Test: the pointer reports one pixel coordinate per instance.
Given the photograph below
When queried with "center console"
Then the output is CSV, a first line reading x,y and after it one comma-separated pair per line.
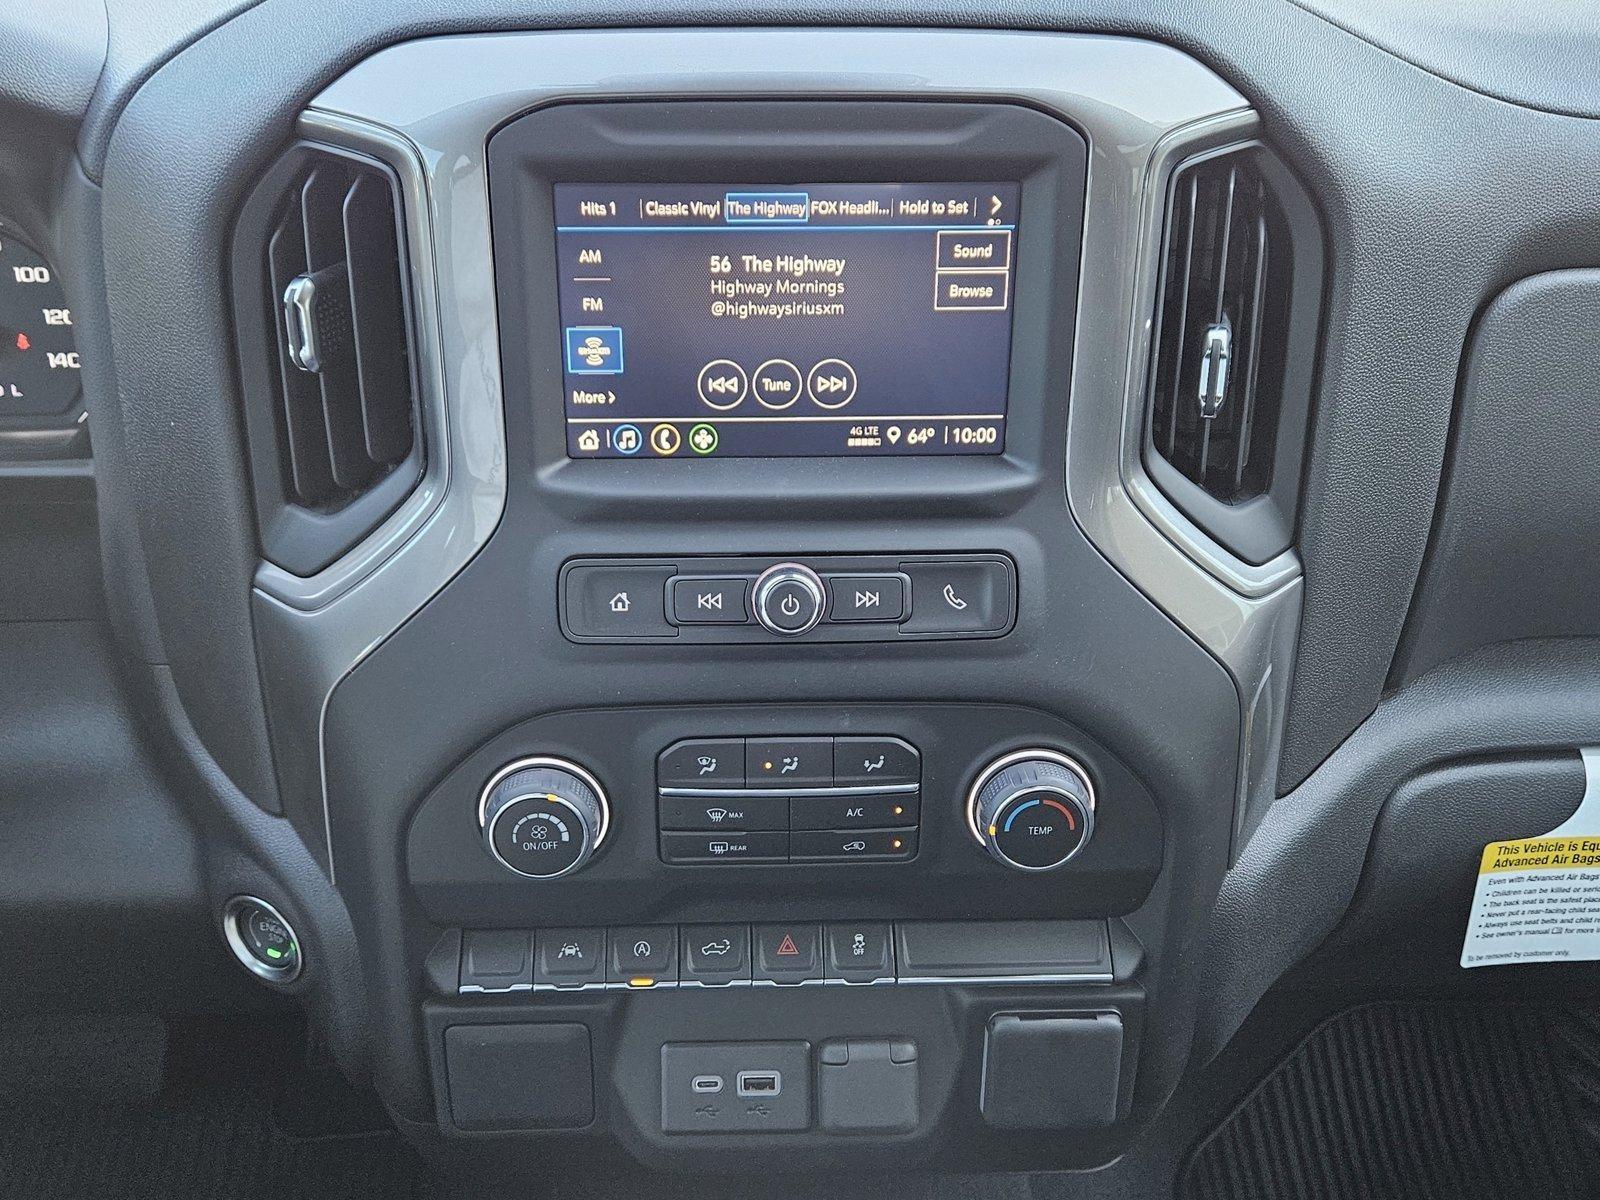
x,y
781,768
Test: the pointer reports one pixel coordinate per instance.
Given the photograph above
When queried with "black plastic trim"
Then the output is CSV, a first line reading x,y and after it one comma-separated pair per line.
x,y
298,538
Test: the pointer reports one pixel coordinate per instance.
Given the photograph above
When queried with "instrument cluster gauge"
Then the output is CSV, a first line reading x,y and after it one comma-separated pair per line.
x,y
39,367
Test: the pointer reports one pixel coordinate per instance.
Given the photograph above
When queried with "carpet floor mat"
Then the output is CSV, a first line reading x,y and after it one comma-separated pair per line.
x,y
120,1113
1458,1102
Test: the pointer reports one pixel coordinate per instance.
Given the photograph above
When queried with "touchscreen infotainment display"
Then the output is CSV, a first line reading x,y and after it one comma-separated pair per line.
x,y
780,320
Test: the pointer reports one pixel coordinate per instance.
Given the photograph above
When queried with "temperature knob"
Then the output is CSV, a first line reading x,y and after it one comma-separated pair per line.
x,y
543,817
1032,810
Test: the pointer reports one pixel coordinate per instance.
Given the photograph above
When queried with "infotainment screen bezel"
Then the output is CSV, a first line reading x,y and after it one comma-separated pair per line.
x,y
645,141
693,328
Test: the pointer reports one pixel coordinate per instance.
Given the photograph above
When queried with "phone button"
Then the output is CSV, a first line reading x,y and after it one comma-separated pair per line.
x,y
960,597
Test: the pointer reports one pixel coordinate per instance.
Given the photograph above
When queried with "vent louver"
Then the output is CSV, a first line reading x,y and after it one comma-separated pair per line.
x,y
320,266
347,412
1227,395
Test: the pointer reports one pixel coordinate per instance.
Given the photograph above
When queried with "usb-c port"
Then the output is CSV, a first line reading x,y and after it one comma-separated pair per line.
x,y
760,1083
706,1085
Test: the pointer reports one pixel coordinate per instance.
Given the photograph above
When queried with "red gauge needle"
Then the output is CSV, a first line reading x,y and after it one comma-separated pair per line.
x,y
23,343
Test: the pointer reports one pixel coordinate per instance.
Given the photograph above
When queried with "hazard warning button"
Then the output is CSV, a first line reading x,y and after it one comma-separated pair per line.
x,y
788,953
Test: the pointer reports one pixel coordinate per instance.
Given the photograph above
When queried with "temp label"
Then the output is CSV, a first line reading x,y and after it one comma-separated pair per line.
x,y
1538,898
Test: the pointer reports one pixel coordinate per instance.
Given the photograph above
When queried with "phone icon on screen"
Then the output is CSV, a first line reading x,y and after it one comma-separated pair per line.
x,y
953,600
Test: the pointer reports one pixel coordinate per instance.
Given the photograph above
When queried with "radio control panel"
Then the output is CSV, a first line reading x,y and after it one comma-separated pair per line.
x,y
820,598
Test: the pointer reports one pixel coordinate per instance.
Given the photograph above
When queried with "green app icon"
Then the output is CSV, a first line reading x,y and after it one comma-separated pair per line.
x,y
703,439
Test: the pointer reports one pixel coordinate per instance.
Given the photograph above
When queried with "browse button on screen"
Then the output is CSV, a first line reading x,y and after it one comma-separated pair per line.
x,y
960,597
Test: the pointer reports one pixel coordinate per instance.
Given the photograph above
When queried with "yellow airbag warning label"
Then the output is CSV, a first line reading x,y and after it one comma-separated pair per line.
x,y
1538,898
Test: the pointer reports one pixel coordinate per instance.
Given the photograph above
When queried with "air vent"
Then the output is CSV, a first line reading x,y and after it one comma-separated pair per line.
x,y
1230,368
331,393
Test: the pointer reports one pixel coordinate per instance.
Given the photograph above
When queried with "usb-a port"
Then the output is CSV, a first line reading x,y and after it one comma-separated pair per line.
x,y
760,1083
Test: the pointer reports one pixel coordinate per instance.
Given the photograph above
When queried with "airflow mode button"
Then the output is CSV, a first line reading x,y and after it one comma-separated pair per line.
x,y
878,761
702,763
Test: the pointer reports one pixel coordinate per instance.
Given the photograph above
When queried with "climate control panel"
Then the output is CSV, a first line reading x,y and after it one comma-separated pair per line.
x,y
765,813
789,800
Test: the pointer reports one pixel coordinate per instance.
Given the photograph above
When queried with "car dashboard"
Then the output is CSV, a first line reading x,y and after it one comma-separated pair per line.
x,y
708,597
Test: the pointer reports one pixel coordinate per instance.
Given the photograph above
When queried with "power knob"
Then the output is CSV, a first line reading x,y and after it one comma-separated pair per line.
x,y
789,599
1032,810
543,817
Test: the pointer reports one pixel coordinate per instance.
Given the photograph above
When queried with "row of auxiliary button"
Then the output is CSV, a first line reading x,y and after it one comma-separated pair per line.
x,y
821,597
648,956
813,846
789,763
715,814
783,954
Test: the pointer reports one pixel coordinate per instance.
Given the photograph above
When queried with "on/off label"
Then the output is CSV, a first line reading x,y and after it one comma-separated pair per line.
x,y
1538,899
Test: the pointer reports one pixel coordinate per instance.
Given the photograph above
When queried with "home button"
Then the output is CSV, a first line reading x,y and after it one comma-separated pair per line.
x,y
624,601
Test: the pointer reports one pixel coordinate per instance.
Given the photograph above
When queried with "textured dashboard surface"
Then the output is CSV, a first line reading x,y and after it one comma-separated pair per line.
x,y
1514,542
1541,55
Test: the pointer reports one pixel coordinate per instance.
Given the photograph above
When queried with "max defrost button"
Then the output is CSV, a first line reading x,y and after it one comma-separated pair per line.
x,y
960,597
618,602
712,813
